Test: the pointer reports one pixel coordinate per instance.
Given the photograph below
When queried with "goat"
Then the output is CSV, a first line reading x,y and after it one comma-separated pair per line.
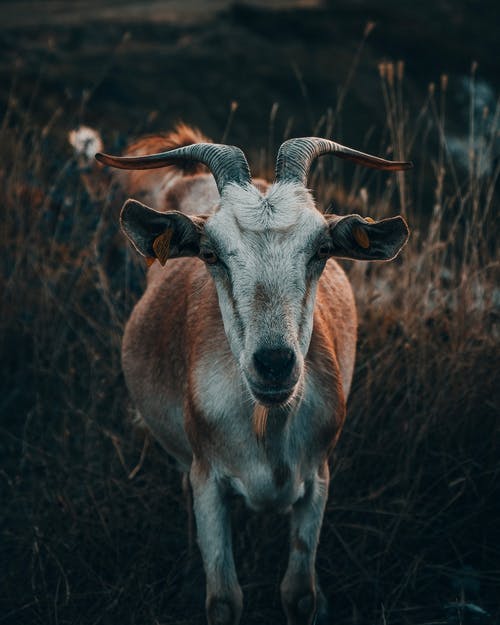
x,y
240,353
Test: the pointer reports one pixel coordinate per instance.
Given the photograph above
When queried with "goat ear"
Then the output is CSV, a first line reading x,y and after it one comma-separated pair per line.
x,y
364,239
161,235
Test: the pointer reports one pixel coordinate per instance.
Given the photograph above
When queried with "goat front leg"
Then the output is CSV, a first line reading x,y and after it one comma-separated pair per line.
x,y
302,599
224,598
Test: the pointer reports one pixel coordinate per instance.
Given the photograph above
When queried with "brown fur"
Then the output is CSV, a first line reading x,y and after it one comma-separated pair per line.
x,y
180,136
142,183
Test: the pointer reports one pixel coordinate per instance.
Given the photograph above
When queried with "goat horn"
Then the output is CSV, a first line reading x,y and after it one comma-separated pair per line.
x,y
226,162
296,156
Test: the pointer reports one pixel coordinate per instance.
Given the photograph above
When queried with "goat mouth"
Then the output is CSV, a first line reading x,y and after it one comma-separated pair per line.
x,y
272,397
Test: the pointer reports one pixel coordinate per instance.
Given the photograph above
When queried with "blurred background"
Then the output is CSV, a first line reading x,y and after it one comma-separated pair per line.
x,y
92,523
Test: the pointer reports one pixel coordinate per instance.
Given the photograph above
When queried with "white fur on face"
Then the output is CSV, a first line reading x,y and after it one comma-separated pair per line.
x,y
282,208
265,285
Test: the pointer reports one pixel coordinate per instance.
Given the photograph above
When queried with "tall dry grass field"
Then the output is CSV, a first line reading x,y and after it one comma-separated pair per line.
x,y
93,528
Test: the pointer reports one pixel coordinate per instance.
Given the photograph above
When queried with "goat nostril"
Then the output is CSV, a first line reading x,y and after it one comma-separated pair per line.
x,y
274,363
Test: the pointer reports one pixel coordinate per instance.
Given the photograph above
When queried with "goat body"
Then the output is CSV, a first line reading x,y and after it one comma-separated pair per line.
x,y
241,366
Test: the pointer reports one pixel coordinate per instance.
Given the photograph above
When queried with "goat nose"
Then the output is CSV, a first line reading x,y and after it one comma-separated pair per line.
x,y
274,364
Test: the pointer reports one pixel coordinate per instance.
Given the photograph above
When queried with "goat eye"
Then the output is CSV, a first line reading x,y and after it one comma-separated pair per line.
x,y
208,257
323,251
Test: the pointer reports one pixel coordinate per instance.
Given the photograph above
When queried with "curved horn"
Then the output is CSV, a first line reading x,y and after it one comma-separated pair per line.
x,y
296,156
226,162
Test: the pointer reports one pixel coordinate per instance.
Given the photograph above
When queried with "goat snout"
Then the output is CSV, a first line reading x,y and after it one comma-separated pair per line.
x,y
274,365
274,374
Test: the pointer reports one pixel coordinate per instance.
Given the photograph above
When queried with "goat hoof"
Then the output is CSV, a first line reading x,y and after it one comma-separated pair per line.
x,y
305,605
322,616
221,612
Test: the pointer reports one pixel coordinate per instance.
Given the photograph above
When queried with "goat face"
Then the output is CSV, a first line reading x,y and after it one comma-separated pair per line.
x,y
262,252
265,253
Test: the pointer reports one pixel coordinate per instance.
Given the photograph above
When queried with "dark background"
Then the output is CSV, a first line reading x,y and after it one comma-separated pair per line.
x,y
116,64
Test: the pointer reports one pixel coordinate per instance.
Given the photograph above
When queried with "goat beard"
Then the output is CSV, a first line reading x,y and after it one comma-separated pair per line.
x,y
260,414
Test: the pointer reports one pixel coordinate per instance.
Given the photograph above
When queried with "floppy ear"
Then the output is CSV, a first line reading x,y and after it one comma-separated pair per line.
x,y
161,235
364,239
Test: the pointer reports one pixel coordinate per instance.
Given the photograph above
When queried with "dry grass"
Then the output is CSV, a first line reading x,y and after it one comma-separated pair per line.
x,y
410,534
